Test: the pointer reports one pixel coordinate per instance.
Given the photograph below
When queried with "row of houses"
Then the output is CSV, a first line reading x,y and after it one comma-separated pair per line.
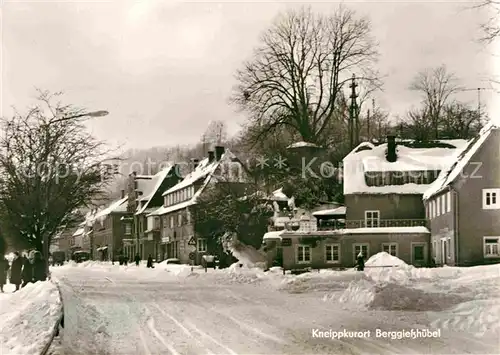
x,y
437,201
153,215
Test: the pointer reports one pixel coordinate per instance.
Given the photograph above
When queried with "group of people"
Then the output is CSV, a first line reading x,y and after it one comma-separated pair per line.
x,y
123,260
23,270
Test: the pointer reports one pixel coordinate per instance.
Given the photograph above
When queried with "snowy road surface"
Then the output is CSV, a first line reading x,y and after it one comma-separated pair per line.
x,y
113,311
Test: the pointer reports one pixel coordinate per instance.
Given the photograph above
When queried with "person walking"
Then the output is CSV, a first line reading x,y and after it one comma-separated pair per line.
x,y
137,259
27,273
4,268
16,270
39,273
150,261
360,261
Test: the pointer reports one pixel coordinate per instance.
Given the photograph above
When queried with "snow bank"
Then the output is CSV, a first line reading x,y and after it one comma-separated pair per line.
x,y
247,255
28,317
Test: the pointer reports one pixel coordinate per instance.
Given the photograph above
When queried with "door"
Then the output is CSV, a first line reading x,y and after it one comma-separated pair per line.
x,y
444,251
419,254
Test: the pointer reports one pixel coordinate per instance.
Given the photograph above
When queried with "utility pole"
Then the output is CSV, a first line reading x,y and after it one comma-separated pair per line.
x,y
478,98
353,112
368,124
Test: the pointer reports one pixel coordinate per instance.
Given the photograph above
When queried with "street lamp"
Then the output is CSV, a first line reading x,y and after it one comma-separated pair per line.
x,y
100,113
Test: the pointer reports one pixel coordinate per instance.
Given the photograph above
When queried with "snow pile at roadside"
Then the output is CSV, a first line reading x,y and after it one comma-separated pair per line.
x,y
247,255
241,273
388,283
323,281
27,318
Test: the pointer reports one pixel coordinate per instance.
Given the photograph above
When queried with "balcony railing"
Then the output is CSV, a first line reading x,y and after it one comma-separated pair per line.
x,y
334,225
386,223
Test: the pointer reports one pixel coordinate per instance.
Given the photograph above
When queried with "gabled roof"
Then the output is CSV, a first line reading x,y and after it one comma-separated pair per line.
x,y
367,157
157,180
448,176
119,206
79,232
204,172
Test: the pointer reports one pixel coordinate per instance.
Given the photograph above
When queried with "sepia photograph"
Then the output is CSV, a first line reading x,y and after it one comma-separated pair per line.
x,y
184,177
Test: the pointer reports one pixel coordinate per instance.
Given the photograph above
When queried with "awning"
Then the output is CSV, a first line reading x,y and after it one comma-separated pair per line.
x,y
102,248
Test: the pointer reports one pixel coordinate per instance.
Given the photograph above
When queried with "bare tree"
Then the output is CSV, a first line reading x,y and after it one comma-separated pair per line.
x,y
297,73
490,28
436,86
49,168
417,124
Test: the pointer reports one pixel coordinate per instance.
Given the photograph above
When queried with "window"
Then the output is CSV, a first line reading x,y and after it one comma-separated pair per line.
x,y
438,206
449,248
201,245
433,204
491,199
361,247
391,248
491,247
171,221
332,253
372,219
443,204
429,206
179,219
434,250
303,254
165,201
448,202
188,216
128,229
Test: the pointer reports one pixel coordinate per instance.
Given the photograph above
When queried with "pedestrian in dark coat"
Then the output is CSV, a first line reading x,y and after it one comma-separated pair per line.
x,y
27,273
137,259
150,261
39,272
16,270
361,262
4,267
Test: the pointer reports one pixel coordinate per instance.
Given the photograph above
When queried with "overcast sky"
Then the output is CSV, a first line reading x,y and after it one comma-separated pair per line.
x,y
164,69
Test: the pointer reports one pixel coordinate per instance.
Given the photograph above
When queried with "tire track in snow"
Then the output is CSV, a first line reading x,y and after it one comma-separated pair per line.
x,y
184,329
208,337
151,325
168,346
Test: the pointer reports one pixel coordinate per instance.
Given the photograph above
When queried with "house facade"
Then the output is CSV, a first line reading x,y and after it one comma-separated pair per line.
x,y
178,237
463,205
383,188
108,230
148,200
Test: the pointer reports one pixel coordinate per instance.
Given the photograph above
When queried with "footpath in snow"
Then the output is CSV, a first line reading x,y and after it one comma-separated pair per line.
x,y
27,317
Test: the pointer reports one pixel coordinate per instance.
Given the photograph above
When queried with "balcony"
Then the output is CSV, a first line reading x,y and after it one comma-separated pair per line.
x,y
384,223
331,225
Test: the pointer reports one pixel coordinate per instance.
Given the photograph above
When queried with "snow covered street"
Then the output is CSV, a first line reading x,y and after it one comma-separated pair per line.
x,y
122,310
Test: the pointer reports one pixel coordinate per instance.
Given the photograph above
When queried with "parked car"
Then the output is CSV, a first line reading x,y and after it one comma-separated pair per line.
x,y
80,256
58,258
173,261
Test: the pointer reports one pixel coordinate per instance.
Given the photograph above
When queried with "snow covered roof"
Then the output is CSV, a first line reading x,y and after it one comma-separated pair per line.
x,y
79,232
367,157
155,184
114,207
205,171
459,162
278,195
273,235
302,144
331,212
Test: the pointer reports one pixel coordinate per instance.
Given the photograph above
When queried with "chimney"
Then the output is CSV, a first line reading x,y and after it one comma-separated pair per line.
x,y
211,156
123,193
196,162
219,150
391,149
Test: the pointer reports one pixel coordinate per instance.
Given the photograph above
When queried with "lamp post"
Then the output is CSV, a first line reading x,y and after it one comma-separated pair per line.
x,y
101,113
